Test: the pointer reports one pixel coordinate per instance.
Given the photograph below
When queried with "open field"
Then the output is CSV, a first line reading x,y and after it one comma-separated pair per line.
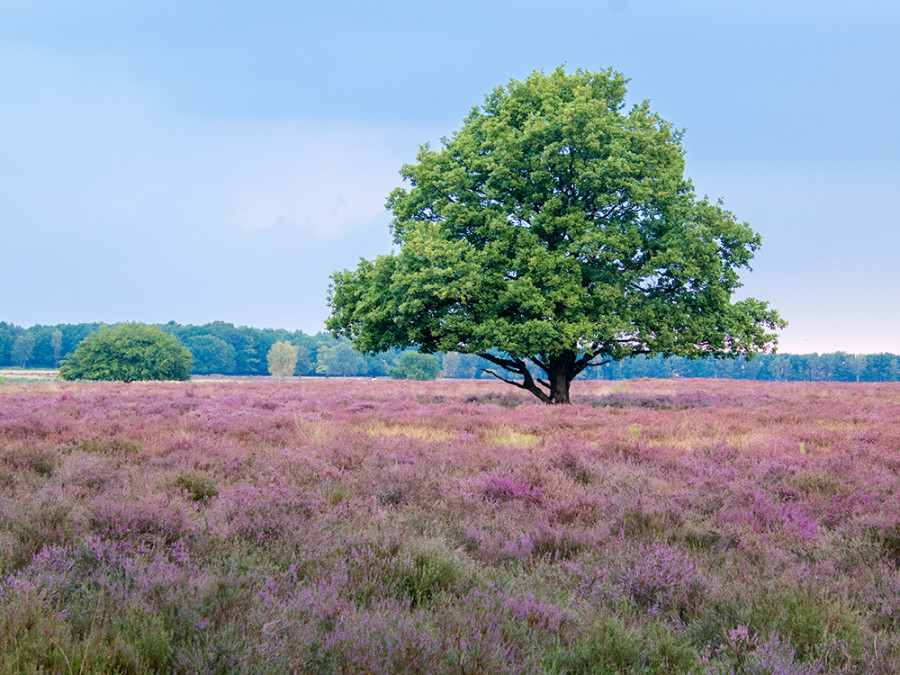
x,y
326,526
22,375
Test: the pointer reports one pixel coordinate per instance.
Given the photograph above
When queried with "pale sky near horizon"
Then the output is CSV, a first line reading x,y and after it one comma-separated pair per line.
x,y
195,162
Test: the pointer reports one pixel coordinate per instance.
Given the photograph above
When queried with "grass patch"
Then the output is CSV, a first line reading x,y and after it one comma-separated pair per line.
x,y
510,437
422,433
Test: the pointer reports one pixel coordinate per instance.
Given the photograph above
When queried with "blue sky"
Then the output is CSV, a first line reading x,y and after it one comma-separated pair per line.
x,y
218,161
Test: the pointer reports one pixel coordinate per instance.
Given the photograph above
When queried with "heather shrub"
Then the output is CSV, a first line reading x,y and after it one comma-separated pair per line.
x,y
889,537
107,446
746,654
637,521
30,456
502,489
336,492
659,577
61,618
260,515
574,465
775,656
396,489
559,542
140,523
503,399
654,402
46,523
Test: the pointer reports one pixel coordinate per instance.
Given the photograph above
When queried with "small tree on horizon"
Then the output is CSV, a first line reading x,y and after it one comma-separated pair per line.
x,y
339,360
56,343
555,232
23,349
128,352
282,359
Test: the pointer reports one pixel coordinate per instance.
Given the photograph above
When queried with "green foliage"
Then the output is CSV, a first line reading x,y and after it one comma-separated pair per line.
x,y
128,352
198,488
282,359
558,229
35,636
107,446
211,355
56,344
426,569
305,361
808,617
8,333
416,366
48,524
339,360
31,456
464,366
23,349
222,348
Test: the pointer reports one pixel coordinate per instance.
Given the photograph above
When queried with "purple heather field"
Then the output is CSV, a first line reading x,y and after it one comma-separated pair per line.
x,y
377,526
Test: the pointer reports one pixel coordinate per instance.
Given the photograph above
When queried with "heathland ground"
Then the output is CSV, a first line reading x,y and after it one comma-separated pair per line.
x,y
359,525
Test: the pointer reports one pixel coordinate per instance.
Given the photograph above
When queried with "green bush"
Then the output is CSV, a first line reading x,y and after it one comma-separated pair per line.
x,y
425,569
131,351
199,489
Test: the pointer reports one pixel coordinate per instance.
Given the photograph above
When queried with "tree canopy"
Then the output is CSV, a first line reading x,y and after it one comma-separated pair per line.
x,y
556,229
282,359
211,355
130,351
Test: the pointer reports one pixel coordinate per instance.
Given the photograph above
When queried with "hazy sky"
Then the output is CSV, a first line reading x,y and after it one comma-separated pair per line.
x,y
199,161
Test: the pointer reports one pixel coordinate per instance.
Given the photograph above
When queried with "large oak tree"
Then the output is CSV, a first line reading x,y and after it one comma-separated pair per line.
x,y
554,231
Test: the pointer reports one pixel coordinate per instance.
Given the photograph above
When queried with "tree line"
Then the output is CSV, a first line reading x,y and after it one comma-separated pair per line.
x,y
833,367
218,348
224,349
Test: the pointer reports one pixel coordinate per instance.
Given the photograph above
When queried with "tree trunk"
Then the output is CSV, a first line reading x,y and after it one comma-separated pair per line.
x,y
559,376
560,372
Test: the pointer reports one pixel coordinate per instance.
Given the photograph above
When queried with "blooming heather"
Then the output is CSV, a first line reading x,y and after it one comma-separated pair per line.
x,y
328,526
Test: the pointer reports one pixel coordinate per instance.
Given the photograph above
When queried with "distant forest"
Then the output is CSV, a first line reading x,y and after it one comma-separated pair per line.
x,y
224,349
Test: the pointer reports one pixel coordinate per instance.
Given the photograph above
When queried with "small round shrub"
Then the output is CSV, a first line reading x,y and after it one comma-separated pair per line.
x,y
130,351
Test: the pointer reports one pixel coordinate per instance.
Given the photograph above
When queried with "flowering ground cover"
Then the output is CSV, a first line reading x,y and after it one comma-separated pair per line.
x,y
449,527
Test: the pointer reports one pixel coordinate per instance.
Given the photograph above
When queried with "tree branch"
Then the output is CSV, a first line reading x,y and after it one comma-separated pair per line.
x,y
516,366
512,365
514,383
597,365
